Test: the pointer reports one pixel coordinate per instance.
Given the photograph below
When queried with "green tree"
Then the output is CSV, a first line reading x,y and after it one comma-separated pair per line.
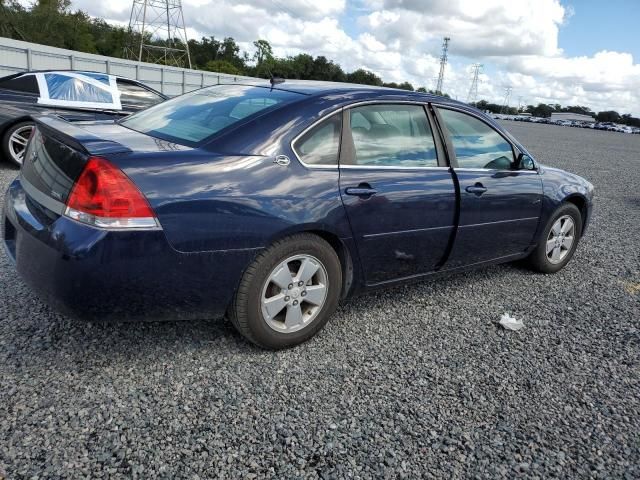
x,y
364,77
542,110
608,116
222,66
10,14
264,52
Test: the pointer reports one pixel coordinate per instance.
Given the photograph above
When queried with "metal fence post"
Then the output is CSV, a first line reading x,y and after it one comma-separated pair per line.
x,y
184,81
108,62
72,60
29,60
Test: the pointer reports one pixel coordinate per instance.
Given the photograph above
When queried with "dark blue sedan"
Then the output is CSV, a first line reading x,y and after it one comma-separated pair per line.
x,y
271,203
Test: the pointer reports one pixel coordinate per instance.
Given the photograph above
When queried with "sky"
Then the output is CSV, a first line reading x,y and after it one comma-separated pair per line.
x,y
572,52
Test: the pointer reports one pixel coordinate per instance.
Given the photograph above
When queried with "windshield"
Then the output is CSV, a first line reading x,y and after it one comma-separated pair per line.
x,y
192,118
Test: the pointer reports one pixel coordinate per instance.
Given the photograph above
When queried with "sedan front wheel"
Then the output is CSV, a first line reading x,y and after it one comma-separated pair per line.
x,y
558,240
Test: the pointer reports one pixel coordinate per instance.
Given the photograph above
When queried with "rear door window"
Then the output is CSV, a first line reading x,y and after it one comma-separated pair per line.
x,y
392,136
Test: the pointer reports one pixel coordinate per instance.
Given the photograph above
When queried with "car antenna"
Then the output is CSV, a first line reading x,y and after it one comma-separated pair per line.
x,y
275,80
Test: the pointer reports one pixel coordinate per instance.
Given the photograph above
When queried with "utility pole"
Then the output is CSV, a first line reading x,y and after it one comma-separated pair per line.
x,y
473,91
157,33
507,96
443,63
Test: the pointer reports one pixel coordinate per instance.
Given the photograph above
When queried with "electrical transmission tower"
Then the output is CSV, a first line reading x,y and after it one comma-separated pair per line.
x,y
507,96
443,63
473,91
157,33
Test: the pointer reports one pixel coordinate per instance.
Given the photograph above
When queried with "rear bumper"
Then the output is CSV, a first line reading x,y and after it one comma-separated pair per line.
x,y
98,274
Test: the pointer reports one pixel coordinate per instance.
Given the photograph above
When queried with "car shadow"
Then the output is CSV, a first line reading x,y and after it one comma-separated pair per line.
x,y
36,336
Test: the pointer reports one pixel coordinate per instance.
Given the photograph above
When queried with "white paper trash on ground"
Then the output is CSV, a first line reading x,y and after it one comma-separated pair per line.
x,y
510,323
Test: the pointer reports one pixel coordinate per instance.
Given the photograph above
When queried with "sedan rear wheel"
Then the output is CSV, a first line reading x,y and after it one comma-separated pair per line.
x,y
288,293
294,293
14,142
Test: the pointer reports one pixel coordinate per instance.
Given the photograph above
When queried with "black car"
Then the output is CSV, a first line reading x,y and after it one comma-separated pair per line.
x,y
72,95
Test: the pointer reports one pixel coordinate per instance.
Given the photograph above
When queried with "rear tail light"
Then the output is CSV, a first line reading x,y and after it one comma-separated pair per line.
x,y
103,196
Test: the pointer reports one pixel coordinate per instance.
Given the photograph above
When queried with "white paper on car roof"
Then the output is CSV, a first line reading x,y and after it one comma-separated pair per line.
x,y
78,89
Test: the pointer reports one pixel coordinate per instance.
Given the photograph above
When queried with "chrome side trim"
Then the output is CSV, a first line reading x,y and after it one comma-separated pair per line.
x,y
377,102
388,167
399,232
479,169
499,221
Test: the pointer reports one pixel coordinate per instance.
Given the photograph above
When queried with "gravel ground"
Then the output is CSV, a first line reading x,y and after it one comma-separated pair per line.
x,y
415,382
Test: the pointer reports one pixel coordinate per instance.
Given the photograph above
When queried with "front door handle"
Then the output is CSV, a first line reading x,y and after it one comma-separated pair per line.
x,y
478,189
362,190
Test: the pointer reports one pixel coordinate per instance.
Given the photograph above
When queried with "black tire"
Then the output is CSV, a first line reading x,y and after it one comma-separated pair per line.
x,y
6,150
538,260
245,311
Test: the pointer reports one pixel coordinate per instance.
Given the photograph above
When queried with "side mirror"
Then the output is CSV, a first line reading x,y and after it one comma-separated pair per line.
x,y
525,162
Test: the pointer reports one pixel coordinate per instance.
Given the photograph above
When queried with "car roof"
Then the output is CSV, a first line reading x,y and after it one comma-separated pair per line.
x,y
318,88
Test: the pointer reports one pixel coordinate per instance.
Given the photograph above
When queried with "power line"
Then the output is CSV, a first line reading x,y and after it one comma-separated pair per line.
x,y
473,91
153,20
443,63
507,97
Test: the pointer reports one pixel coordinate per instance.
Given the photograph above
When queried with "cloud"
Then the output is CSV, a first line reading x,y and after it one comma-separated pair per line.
x,y
486,28
400,40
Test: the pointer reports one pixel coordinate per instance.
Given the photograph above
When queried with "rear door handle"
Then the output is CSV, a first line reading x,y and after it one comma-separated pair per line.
x,y
361,191
478,189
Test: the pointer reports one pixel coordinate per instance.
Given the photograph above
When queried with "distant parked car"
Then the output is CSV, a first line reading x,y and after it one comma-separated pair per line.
x,y
69,94
272,203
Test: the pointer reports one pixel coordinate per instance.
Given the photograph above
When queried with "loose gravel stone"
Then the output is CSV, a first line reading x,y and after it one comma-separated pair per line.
x,y
415,382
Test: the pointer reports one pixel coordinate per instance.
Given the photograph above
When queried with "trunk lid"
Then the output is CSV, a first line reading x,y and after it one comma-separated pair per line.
x,y
59,151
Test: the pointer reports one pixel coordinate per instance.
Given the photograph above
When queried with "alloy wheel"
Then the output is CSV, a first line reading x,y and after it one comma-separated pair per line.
x,y
560,239
294,293
18,143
